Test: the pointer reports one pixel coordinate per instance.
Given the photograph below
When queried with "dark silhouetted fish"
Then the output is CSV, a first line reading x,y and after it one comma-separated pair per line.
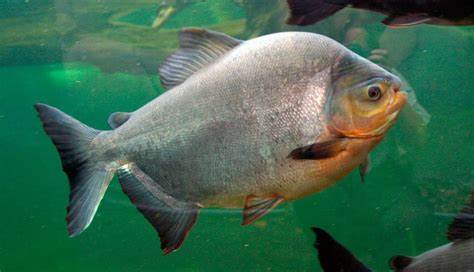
x,y
400,12
245,124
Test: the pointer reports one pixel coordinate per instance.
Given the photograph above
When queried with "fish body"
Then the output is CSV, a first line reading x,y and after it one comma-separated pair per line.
x,y
226,122
400,12
244,124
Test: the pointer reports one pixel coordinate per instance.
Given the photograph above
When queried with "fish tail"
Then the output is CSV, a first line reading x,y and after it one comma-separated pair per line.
x,y
306,12
89,176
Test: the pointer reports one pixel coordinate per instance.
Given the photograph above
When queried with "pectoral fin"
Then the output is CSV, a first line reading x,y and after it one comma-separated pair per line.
x,y
256,207
364,168
319,151
406,20
400,262
171,218
117,119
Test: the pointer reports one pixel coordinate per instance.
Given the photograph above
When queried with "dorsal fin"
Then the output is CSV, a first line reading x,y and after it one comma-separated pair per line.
x,y
117,119
462,226
198,47
333,256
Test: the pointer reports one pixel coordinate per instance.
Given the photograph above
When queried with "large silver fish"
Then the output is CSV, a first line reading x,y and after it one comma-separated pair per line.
x,y
245,124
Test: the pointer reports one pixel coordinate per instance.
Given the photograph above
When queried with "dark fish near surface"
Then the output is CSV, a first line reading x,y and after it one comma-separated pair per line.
x,y
400,12
245,124
457,256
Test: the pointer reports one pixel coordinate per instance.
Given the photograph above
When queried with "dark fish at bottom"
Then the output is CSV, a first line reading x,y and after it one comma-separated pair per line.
x,y
399,13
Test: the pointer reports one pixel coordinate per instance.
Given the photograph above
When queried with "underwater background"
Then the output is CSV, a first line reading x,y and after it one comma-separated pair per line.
x,y
92,58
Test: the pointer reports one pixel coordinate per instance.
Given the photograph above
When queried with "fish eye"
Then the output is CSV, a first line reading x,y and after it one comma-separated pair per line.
x,y
374,93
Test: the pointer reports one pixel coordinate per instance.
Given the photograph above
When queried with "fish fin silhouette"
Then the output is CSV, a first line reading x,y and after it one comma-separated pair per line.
x,y
117,119
400,262
333,256
171,218
88,177
307,12
256,207
462,226
406,20
198,48
339,2
318,151
364,168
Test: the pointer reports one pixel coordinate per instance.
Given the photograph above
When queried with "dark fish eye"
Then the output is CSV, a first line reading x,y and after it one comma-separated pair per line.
x,y
374,93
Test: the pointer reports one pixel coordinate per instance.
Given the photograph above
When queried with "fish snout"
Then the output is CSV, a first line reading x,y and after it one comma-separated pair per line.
x,y
396,83
398,102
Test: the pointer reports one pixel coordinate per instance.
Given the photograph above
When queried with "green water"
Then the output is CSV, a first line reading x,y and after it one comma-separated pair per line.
x,y
74,57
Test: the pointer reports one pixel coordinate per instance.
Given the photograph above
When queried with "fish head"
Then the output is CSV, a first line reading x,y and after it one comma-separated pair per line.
x,y
365,100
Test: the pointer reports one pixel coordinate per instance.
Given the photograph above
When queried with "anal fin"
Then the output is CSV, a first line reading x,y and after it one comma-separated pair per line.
x,y
171,218
256,207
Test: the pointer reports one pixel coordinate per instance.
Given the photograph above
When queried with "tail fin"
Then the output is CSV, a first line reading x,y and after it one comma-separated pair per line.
x,y
88,177
307,12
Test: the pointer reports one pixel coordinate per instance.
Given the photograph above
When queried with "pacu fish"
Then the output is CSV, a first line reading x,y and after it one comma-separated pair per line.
x,y
244,124
399,13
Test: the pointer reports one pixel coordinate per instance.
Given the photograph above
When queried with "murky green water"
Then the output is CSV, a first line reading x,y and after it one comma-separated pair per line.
x,y
91,58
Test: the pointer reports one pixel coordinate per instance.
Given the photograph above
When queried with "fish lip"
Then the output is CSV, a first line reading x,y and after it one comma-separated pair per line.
x,y
398,102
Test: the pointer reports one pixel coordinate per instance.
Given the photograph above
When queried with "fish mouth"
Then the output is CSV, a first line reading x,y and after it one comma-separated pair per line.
x,y
398,102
